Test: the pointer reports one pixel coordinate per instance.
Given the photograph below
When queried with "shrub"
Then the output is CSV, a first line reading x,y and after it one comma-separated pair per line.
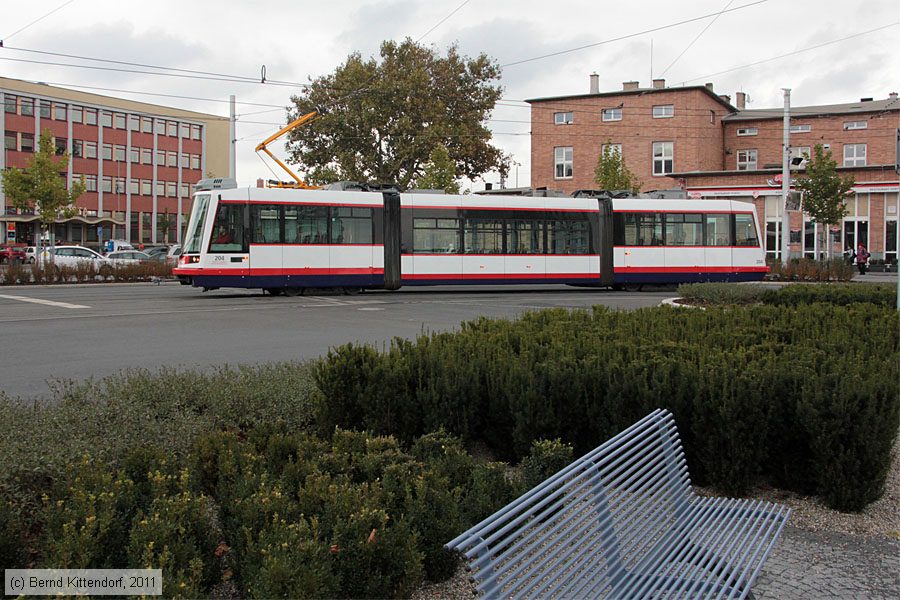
x,y
490,489
16,274
719,294
547,457
807,269
842,294
12,538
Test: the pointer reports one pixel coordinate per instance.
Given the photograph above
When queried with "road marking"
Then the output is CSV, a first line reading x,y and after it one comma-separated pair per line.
x,y
42,301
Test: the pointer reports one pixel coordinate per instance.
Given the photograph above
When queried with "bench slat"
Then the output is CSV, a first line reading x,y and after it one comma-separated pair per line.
x,y
623,521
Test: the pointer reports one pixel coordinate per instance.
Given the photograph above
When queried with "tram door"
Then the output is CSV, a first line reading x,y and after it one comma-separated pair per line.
x,y
392,240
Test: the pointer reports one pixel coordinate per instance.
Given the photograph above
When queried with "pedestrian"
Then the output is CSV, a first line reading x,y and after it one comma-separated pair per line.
x,y
849,255
862,258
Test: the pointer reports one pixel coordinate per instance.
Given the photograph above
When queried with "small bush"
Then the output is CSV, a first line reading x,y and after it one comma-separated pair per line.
x,y
721,294
841,294
16,274
807,269
490,490
547,457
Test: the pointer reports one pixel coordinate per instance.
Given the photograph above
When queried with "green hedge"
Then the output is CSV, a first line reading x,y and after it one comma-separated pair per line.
x,y
762,393
729,294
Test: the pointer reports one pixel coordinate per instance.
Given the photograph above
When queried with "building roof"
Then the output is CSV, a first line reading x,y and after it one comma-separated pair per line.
x,y
19,86
639,92
848,108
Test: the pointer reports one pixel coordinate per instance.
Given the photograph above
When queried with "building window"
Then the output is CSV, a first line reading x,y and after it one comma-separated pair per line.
x,y
27,142
59,112
161,157
134,186
134,123
563,118
90,183
712,116
160,188
105,119
562,159
183,191
663,111
77,148
746,160
119,153
171,159
856,125
613,149
854,155
135,155
10,140
611,114
185,130
9,103
146,124
107,152
90,149
147,156
76,113
106,185
26,105
801,128
747,131
61,144
90,116
172,129
45,109
120,121
171,186
195,161
159,127
146,187
185,161
663,158
195,132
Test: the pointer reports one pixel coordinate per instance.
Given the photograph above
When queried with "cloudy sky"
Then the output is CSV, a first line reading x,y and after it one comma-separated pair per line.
x,y
826,51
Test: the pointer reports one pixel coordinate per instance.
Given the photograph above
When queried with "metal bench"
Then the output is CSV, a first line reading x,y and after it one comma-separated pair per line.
x,y
623,522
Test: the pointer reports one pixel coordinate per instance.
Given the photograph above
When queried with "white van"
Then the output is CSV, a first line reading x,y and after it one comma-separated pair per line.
x,y
116,245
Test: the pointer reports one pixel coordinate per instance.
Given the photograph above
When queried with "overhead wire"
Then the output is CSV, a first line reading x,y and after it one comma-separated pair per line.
x,y
39,19
439,23
697,37
630,35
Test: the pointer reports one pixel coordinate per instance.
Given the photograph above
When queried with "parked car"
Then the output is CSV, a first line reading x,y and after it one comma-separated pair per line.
x,y
73,256
130,257
30,254
12,254
166,254
116,246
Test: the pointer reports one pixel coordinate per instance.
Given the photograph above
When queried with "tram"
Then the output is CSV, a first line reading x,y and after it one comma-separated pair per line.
x,y
290,240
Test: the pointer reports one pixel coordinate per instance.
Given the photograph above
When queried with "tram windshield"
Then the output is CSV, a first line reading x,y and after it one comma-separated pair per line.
x,y
194,235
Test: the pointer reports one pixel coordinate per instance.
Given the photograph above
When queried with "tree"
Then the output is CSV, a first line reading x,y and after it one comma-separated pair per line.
x,y
823,190
382,119
41,185
165,222
439,173
612,173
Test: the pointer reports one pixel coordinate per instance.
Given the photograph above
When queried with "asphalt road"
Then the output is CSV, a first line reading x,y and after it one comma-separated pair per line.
x,y
81,331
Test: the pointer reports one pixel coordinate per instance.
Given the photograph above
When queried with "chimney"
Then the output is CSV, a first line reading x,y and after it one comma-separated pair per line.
x,y
740,100
630,85
488,186
595,83
709,86
260,183
725,97
892,96
659,84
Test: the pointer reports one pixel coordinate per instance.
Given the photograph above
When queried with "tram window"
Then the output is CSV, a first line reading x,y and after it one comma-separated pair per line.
x,y
483,236
525,237
228,230
643,229
684,229
745,231
568,237
351,225
306,224
436,236
718,230
265,222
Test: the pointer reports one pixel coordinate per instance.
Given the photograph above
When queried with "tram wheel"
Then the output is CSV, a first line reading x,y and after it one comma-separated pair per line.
x,y
351,291
633,287
273,291
293,291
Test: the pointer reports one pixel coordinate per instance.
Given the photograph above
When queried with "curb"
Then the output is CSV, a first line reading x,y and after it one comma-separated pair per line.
x,y
671,302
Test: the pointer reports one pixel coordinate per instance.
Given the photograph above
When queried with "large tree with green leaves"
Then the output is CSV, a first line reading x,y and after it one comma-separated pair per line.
x,y
823,190
439,173
381,118
611,172
41,185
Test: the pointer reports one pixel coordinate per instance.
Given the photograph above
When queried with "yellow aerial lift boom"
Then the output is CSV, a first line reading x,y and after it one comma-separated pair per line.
x,y
297,183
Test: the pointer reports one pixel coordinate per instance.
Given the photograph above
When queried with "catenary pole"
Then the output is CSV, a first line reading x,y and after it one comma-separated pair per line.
x,y
786,180
232,159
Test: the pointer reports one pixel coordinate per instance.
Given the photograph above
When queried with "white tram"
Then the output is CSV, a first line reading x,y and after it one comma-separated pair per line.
x,y
287,240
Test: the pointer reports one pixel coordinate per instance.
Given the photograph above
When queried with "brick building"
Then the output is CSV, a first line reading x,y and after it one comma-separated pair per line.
x,y
694,139
139,161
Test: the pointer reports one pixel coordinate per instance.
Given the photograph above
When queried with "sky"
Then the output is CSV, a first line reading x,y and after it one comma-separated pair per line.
x,y
825,51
